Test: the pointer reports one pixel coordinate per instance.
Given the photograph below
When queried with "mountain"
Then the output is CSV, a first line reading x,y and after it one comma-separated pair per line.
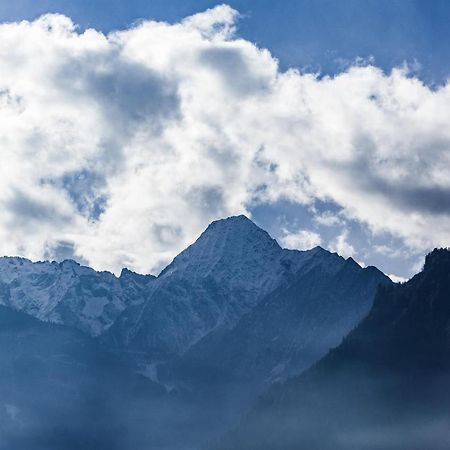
x,y
290,328
386,387
208,286
68,293
234,279
235,312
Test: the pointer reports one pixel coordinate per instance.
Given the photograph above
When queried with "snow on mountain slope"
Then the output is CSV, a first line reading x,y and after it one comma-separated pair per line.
x,y
238,256
68,293
210,286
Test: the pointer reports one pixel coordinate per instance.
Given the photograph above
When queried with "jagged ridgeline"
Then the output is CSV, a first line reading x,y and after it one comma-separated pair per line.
x,y
387,386
170,361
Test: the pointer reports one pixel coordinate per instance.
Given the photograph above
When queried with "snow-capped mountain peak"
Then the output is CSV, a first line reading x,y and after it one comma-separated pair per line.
x,y
66,292
232,242
212,284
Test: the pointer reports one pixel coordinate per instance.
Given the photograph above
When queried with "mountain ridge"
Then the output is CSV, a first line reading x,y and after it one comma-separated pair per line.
x,y
222,276
67,292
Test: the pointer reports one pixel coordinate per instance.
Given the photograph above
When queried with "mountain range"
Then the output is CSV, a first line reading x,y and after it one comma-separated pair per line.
x,y
175,360
69,294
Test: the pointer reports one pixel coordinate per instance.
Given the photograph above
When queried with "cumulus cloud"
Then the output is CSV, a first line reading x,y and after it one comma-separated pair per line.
x,y
123,147
300,240
327,219
342,246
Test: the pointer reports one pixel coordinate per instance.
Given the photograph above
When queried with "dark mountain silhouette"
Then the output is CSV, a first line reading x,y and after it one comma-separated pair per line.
x,y
386,387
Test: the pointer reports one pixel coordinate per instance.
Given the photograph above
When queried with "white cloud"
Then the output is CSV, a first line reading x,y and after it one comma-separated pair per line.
x,y
343,247
397,278
300,240
124,146
389,251
327,219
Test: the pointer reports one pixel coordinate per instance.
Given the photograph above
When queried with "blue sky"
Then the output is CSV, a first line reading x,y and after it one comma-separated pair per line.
x,y
318,34
122,147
